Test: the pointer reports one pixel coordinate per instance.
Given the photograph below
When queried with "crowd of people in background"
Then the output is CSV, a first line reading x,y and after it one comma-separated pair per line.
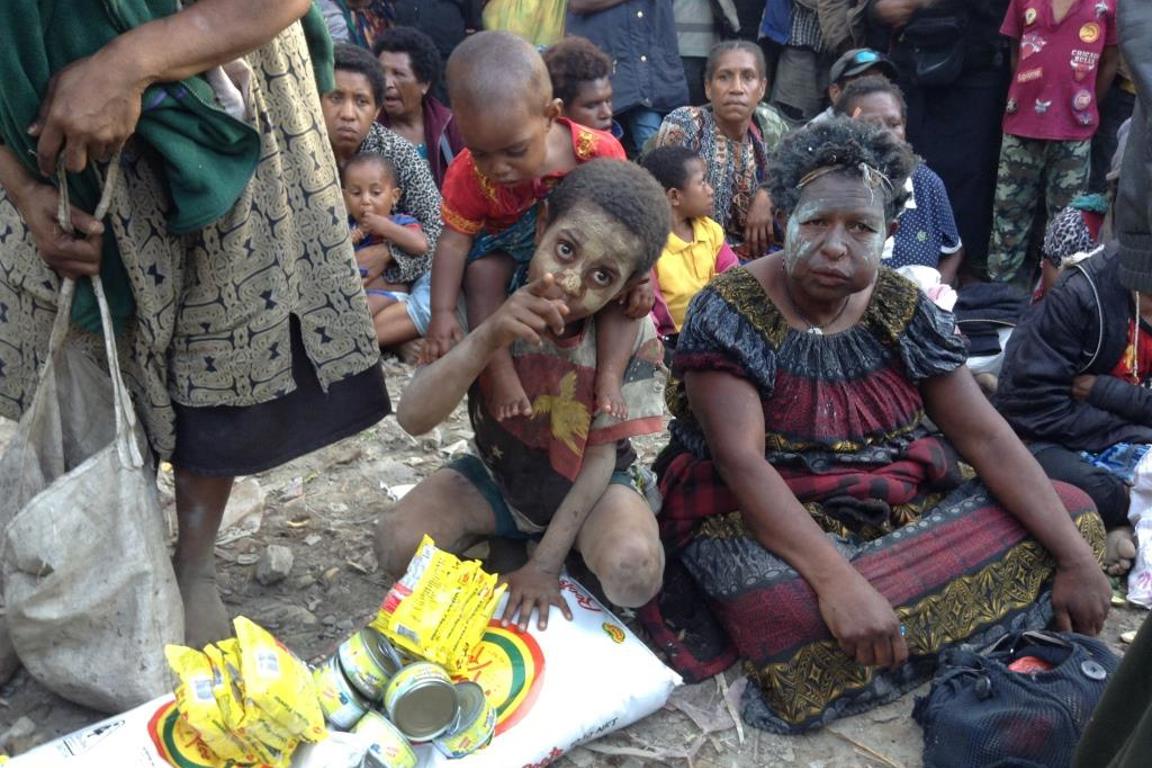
x,y
554,204
1013,108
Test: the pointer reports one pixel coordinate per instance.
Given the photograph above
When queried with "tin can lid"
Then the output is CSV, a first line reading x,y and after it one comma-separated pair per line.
x,y
472,702
383,650
426,710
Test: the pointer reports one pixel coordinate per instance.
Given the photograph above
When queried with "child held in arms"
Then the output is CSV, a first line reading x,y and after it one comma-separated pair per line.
x,y
518,148
370,195
564,474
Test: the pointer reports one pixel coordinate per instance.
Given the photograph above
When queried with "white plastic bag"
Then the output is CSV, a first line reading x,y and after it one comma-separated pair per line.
x,y
90,594
1140,515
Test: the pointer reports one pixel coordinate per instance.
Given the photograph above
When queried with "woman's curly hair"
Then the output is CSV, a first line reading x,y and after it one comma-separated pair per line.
x,y
840,142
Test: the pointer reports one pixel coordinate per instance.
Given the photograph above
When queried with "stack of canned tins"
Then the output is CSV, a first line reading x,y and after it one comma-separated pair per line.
x,y
369,688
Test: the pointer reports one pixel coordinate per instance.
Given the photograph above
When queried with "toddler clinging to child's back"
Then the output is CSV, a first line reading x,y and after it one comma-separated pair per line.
x,y
517,149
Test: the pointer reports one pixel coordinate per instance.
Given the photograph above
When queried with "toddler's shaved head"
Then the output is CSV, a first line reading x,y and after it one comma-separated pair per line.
x,y
497,71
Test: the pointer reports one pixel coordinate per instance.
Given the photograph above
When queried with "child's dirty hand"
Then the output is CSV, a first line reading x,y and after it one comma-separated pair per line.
x,y
444,332
638,302
357,235
1082,386
529,312
532,588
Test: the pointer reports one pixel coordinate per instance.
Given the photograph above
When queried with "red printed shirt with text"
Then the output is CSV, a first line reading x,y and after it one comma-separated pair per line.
x,y
1053,92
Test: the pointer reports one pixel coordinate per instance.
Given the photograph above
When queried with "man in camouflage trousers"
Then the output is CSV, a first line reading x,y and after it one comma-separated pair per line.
x,y
1065,55
1031,171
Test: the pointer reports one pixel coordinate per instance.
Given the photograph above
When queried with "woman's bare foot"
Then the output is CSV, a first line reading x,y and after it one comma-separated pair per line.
x,y
1119,551
610,397
205,617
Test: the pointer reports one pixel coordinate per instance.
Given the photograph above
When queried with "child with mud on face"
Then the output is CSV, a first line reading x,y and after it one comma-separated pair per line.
x,y
517,149
565,475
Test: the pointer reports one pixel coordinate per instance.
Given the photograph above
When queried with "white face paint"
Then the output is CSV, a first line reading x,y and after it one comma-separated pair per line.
x,y
591,255
834,238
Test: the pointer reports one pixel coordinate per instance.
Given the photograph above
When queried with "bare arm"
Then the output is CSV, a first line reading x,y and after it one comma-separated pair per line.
x,y
954,402
731,415
591,6
92,105
410,239
448,264
438,388
203,35
949,265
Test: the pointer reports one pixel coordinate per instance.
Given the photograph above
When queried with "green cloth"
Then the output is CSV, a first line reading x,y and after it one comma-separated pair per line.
x,y
207,157
320,48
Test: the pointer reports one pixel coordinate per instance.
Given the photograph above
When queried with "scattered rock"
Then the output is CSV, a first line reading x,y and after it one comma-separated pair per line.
x,y
313,539
9,661
460,446
346,624
285,615
390,472
432,440
328,620
245,508
582,758
304,582
330,575
274,565
18,738
345,453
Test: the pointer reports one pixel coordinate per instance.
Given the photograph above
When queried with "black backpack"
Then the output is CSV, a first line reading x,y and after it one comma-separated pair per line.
x,y
980,713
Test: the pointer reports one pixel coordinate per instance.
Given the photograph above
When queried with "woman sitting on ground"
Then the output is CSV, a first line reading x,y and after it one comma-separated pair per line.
x,y
411,70
735,138
806,502
349,112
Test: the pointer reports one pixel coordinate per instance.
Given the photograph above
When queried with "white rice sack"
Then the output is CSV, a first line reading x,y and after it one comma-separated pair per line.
x,y
1140,515
125,740
571,683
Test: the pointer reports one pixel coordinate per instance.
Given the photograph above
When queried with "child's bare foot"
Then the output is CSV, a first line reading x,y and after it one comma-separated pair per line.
x,y
610,397
205,617
1119,551
508,399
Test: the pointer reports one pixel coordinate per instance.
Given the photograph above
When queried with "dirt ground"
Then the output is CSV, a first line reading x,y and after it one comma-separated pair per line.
x,y
323,507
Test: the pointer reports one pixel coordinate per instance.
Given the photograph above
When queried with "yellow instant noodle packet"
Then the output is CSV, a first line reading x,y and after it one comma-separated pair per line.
x,y
196,700
278,683
439,608
263,735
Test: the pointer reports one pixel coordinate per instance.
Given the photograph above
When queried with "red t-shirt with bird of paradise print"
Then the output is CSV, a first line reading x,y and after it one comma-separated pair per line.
x,y
535,459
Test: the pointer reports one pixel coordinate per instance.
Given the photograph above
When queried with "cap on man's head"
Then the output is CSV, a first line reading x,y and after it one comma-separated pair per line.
x,y
860,60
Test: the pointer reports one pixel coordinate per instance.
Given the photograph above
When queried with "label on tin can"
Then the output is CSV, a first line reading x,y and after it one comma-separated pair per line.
x,y
341,704
421,701
363,663
387,746
474,725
